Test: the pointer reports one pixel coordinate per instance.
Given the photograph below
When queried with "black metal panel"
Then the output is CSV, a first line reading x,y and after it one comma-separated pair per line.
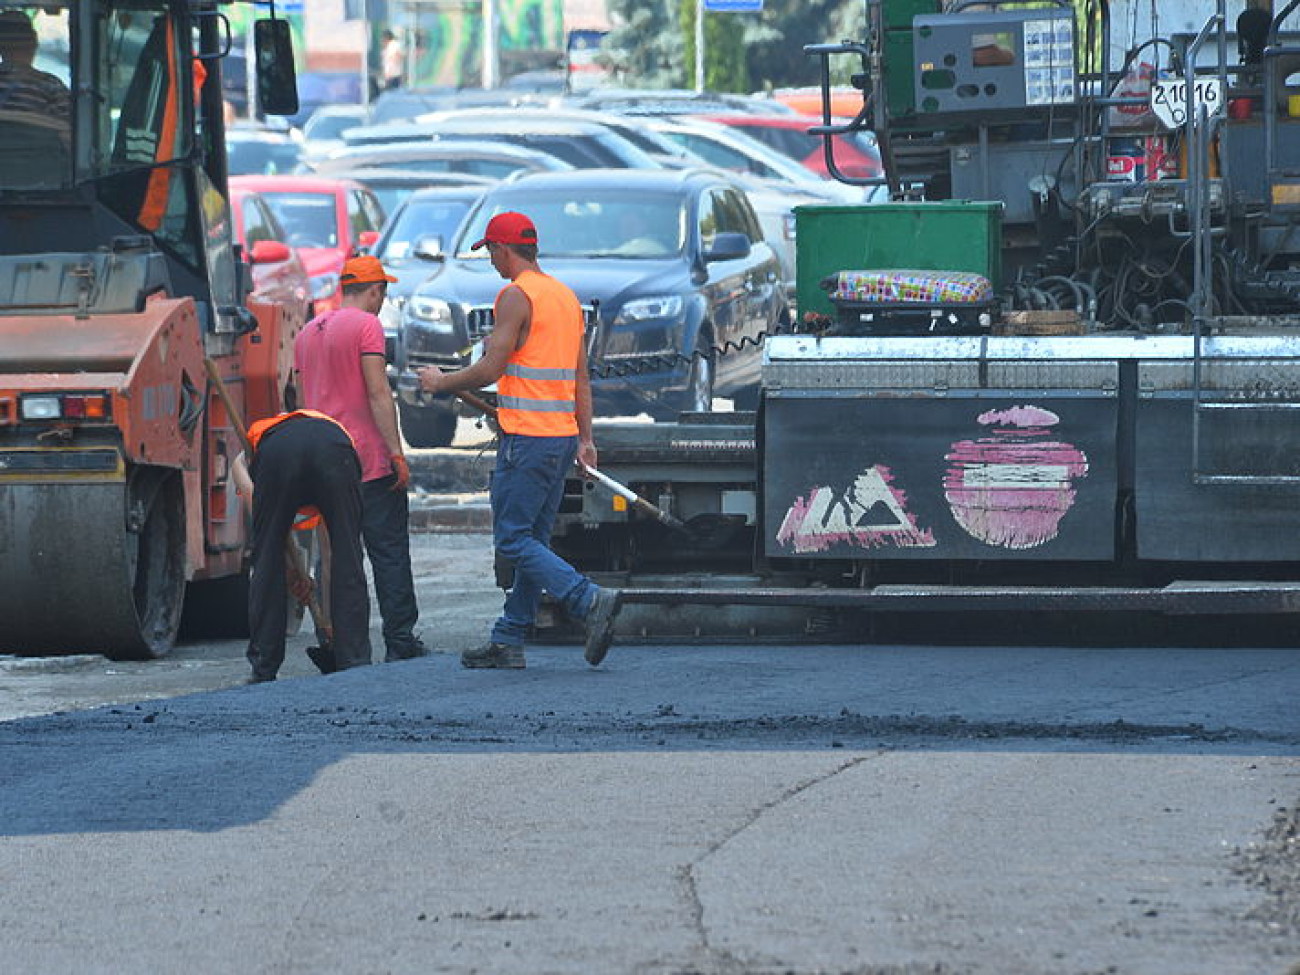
x,y
57,461
1013,476
1179,519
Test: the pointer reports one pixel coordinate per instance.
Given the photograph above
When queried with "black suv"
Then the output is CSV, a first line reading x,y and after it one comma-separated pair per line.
x,y
680,285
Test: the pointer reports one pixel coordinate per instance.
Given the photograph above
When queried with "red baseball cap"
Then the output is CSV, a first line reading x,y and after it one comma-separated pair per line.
x,y
365,269
508,228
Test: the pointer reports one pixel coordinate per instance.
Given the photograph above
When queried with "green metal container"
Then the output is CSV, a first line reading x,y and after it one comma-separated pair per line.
x,y
945,235
900,94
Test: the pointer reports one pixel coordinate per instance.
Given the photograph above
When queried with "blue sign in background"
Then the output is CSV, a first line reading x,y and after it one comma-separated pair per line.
x,y
733,6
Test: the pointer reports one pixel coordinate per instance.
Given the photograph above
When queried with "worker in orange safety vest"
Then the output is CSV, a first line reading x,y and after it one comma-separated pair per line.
x,y
304,459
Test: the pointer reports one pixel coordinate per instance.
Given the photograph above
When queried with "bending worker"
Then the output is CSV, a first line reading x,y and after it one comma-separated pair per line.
x,y
537,356
305,459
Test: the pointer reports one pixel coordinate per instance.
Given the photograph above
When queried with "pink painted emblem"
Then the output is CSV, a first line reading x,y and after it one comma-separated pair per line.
x,y
1011,488
869,513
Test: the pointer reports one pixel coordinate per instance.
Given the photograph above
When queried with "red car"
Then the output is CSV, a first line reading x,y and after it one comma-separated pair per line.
x,y
279,275
325,220
855,153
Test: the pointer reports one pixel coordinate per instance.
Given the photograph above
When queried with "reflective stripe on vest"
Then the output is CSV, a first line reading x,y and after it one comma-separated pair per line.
x,y
537,394
540,405
531,372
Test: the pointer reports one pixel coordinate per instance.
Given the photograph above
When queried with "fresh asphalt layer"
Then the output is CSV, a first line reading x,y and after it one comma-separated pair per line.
x,y
679,809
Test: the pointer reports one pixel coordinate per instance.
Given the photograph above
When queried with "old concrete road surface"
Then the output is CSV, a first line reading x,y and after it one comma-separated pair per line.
x,y
836,809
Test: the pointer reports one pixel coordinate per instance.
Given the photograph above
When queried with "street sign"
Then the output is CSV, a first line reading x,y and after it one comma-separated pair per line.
x,y
1169,99
733,6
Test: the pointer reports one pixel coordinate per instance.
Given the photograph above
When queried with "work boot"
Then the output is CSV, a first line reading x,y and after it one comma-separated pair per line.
x,y
600,624
415,648
323,658
502,656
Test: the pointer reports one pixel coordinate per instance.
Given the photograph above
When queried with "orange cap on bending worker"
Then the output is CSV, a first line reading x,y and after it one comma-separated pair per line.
x,y
365,269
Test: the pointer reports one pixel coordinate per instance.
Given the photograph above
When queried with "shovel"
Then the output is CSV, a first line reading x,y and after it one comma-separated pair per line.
x,y
709,530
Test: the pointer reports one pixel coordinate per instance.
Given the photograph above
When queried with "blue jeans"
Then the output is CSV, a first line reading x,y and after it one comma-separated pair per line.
x,y
527,486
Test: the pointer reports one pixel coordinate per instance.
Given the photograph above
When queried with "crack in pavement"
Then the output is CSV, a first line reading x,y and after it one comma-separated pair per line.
x,y
723,961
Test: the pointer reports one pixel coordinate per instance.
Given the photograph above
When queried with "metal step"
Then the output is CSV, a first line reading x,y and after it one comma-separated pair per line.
x,y
1178,598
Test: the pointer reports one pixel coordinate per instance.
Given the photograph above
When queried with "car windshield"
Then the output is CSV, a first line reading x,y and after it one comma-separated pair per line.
x,y
422,218
308,218
261,157
586,223
330,126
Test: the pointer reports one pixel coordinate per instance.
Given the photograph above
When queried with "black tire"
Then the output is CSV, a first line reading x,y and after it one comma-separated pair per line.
x,y
157,571
427,426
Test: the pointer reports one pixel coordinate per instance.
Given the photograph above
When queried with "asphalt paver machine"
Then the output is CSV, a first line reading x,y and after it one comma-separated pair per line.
x,y
1059,369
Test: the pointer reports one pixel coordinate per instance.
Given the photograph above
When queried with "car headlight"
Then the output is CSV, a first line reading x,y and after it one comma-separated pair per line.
x,y
431,313
654,307
324,286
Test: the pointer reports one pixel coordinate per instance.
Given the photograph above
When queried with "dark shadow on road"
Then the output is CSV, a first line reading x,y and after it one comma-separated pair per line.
x,y
225,759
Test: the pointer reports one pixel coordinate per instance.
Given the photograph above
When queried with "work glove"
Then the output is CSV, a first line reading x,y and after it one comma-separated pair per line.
x,y
403,471
300,587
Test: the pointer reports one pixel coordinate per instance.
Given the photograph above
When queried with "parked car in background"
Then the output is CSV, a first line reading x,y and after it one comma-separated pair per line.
x,y
846,101
263,151
672,101
584,145
675,263
493,160
736,152
395,186
856,153
404,104
412,246
279,276
325,220
317,88
662,150
323,132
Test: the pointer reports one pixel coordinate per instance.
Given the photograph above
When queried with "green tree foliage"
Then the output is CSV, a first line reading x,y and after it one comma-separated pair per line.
x,y
725,65
645,47
776,57
653,43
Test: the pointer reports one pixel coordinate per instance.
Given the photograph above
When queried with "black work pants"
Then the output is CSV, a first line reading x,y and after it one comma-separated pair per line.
x,y
386,528
306,461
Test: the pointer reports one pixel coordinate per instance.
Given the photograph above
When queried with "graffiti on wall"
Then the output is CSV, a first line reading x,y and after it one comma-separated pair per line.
x,y
1008,488
869,513
448,42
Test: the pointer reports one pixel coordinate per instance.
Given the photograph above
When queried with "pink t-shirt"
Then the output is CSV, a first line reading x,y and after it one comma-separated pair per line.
x,y
327,356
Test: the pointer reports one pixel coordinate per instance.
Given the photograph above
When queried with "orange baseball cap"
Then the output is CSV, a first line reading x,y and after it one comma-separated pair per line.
x,y
508,228
364,270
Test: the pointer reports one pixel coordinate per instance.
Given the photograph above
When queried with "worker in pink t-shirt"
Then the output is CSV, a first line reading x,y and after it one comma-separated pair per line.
x,y
339,361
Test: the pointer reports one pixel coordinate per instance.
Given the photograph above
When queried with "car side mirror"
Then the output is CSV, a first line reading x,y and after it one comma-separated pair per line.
x,y
727,247
366,240
429,248
269,252
277,84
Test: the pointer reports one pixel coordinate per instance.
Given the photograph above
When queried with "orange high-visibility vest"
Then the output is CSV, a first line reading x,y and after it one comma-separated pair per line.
x,y
259,428
309,516
537,395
